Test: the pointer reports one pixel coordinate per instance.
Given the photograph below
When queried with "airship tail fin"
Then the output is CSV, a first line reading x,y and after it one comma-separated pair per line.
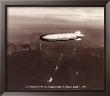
x,y
78,33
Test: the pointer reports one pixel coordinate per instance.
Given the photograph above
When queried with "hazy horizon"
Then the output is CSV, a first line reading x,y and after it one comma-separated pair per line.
x,y
25,21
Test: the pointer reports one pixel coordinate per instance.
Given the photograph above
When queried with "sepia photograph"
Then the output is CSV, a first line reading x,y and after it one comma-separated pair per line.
x,y
55,48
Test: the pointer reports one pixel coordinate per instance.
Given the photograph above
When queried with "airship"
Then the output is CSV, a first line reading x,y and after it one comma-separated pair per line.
x,y
77,35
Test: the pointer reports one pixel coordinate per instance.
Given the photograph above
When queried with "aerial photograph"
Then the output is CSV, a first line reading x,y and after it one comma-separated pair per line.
x,y
55,48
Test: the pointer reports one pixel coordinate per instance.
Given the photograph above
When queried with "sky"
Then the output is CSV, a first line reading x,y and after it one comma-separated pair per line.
x,y
79,13
44,20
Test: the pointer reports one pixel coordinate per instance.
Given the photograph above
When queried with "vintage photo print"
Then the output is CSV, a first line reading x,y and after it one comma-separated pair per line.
x,y
55,48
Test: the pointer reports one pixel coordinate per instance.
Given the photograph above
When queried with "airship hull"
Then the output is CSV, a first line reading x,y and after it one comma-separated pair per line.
x,y
62,36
